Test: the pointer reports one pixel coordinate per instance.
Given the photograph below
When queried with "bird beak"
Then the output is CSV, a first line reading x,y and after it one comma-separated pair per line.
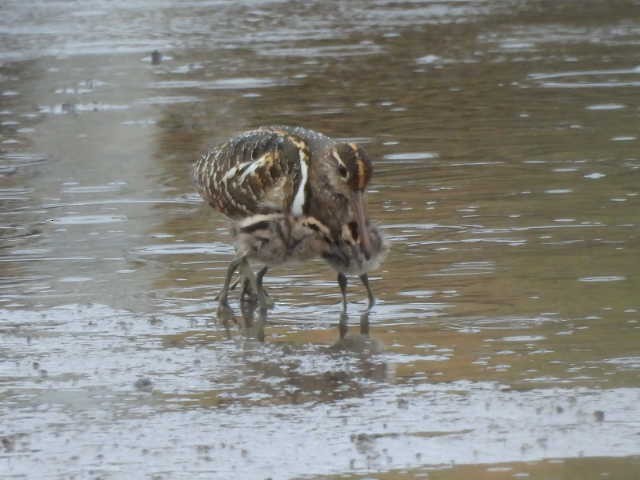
x,y
358,205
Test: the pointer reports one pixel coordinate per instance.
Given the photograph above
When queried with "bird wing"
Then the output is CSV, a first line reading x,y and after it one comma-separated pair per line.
x,y
258,172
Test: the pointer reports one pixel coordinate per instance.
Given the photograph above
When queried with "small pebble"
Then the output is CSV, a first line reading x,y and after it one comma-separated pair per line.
x,y
156,57
144,384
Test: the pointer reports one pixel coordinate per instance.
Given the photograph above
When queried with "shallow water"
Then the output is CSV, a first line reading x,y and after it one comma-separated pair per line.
x,y
506,338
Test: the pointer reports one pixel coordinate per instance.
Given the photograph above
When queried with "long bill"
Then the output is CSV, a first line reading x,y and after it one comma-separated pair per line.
x,y
359,209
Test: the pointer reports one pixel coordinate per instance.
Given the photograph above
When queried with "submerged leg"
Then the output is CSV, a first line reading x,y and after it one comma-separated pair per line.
x,y
259,277
231,287
249,276
365,281
245,284
224,312
247,290
342,281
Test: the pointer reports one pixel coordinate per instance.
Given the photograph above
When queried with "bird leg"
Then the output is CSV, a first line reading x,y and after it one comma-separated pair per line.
x,y
260,287
231,287
245,291
342,282
241,264
365,281
260,275
224,312
250,278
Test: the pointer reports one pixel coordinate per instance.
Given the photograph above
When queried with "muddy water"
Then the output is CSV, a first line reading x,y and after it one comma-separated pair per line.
x,y
505,342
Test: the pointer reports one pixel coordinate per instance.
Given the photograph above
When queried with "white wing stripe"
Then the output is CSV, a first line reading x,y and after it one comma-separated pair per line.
x,y
234,170
298,201
254,166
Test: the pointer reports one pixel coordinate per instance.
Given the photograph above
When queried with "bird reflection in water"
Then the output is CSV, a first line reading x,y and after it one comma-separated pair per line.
x,y
361,343
350,367
253,320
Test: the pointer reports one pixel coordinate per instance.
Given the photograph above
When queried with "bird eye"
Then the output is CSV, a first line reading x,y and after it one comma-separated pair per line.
x,y
342,170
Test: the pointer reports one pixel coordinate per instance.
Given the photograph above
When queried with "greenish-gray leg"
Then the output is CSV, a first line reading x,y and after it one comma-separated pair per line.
x,y
224,312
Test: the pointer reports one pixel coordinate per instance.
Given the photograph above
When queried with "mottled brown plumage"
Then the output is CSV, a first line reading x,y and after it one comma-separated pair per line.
x,y
290,170
256,172
294,194
276,238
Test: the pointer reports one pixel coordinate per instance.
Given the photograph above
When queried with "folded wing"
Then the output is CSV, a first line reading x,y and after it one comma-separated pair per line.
x,y
262,171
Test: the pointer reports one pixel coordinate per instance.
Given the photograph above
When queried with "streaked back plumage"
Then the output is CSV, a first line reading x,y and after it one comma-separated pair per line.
x,y
261,171
293,194
282,169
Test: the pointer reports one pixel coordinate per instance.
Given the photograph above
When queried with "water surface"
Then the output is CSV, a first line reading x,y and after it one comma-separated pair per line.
x,y
505,339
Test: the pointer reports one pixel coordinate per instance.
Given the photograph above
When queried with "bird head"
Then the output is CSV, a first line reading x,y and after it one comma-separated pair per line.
x,y
353,172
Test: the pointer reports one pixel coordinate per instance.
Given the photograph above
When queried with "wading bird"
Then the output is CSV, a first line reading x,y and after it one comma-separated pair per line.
x,y
293,194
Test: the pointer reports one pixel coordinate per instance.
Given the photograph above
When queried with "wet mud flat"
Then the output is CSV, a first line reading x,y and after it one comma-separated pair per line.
x,y
505,340
191,404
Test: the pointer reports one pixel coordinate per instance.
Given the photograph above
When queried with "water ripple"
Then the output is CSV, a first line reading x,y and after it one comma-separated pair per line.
x,y
242,83
89,219
185,249
603,279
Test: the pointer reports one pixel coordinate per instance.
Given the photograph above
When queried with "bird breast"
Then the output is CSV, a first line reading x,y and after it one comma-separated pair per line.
x,y
276,238
347,256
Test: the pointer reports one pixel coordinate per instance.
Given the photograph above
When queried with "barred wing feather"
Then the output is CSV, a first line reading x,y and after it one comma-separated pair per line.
x,y
259,172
